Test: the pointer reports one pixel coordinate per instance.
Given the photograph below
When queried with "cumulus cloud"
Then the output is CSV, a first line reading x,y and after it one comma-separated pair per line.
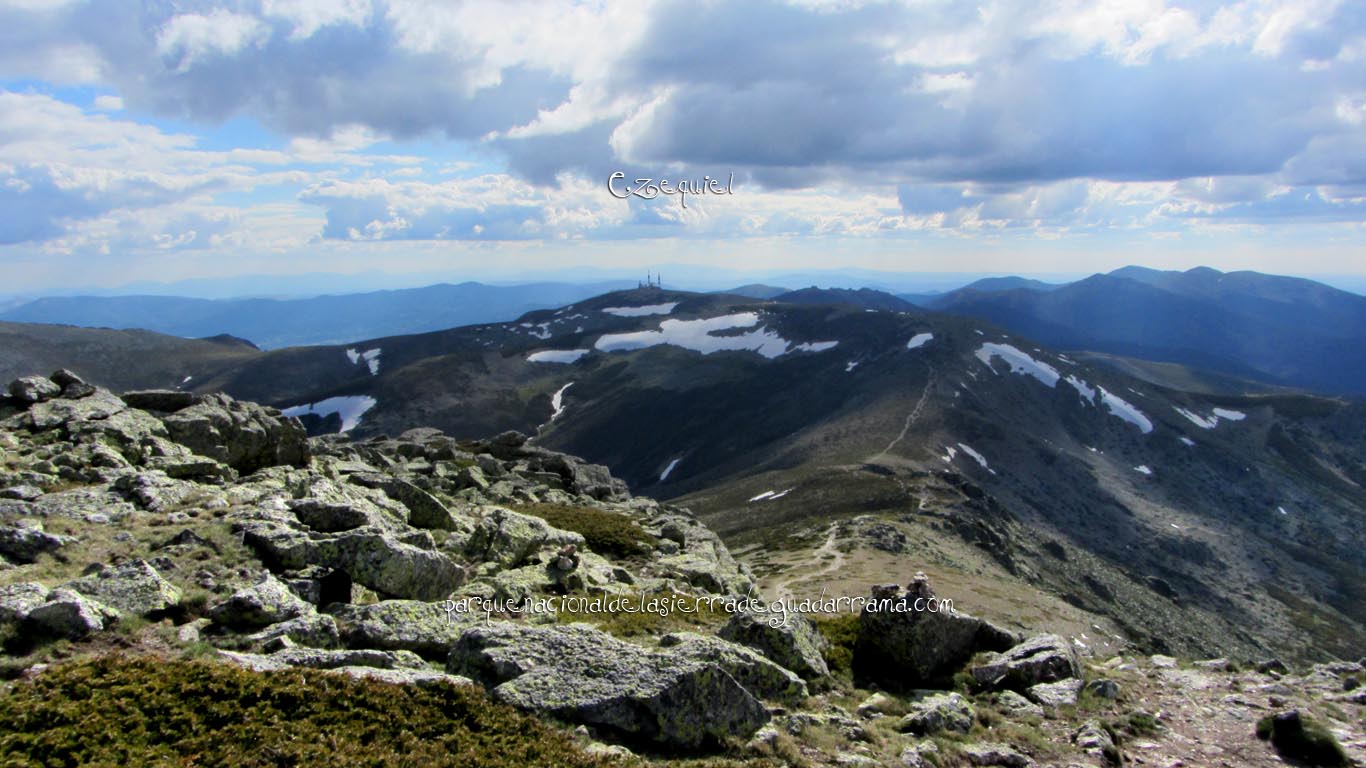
x,y
853,119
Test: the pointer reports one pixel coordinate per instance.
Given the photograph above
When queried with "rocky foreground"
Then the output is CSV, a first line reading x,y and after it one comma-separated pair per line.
x,y
182,525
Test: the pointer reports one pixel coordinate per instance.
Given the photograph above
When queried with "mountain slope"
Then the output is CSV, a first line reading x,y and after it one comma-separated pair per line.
x,y
1277,330
274,323
820,434
865,298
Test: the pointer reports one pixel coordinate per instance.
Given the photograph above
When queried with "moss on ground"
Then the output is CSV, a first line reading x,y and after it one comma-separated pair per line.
x,y
143,710
610,534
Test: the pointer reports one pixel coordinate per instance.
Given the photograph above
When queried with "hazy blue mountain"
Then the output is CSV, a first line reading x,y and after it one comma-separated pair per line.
x,y
863,298
274,323
755,291
1280,330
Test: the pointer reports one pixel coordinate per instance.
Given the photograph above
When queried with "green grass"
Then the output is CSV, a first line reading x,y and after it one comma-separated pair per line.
x,y
1313,744
840,633
140,710
609,534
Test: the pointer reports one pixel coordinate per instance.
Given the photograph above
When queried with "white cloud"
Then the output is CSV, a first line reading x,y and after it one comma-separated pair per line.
x,y
186,39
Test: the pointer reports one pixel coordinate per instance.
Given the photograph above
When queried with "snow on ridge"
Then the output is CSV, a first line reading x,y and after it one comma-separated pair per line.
x,y
556,355
1197,419
1087,392
979,458
350,407
1125,410
669,470
1225,413
814,346
557,401
919,340
1020,362
353,356
699,336
371,358
643,311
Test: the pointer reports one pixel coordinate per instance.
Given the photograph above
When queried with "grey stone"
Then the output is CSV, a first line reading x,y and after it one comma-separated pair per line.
x,y
33,389
585,676
994,755
1103,688
267,602
794,642
1018,706
509,538
424,628
1040,659
164,400
16,600
71,615
759,675
134,588
1060,694
312,630
937,713
23,544
242,435
901,647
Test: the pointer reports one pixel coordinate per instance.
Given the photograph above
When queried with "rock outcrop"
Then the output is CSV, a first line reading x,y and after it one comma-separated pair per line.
x,y
908,640
582,675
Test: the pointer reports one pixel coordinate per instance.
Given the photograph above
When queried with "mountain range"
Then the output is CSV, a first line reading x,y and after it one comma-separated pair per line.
x,y
829,442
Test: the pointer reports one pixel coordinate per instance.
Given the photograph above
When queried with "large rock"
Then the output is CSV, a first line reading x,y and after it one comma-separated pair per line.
x,y
1062,693
164,400
23,544
583,675
938,713
389,566
909,641
1041,659
33,389
71,615
267,602
424,509
794,643
17,600
134,588
62,412
243,435
427,629
759,675
509,538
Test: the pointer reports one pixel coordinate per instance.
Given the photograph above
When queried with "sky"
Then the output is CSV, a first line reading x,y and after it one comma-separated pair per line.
x,y
163,141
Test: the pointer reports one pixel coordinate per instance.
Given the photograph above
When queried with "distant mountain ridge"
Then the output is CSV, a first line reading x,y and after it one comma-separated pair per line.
x,y
1278,330
332,319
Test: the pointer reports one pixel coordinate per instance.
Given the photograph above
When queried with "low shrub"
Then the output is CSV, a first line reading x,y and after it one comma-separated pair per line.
x,y
609,534
140,710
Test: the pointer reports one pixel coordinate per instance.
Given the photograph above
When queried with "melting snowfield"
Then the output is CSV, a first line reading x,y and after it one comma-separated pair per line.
x,y
556,356
557,401
1022,364
668,470
350,408
1212,421
370,356
919,340
649,309
700,336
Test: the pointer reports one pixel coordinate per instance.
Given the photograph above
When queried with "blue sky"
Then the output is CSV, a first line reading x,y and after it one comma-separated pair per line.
x,y
168,141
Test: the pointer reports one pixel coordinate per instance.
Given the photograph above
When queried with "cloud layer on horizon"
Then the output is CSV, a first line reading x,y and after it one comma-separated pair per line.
x,y
412,120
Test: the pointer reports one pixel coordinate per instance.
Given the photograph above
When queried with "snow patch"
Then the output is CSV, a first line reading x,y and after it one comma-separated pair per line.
x,y
668,470
1198,420
353,356
1187,441
851,365
919,340
1124,410
699,336
1225,413
371,358
649,309
1144,469
1088,394
350,408
815,346
760,497
557,401
1020,362
556,355
979,458
770,495
949,453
